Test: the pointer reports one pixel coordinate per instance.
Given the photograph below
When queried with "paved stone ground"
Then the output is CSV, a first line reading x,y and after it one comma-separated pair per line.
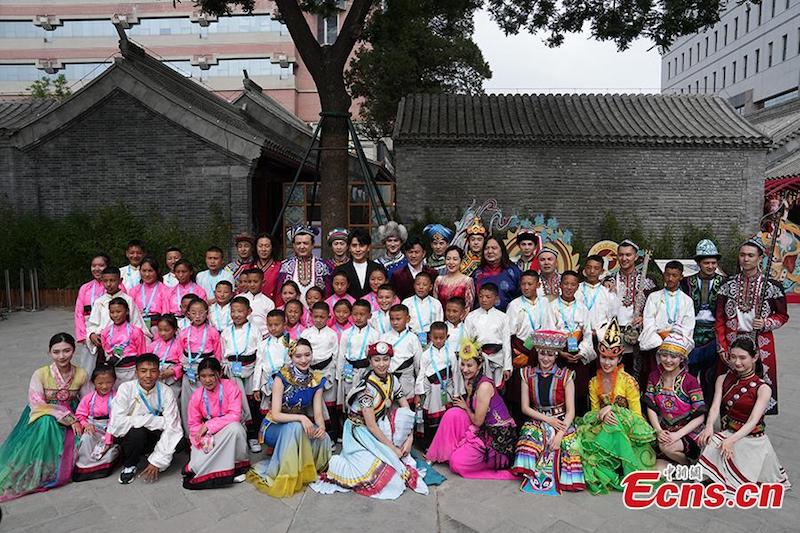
x,y
457,506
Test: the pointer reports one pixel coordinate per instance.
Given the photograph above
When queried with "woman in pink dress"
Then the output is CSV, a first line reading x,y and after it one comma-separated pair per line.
x,y
454,282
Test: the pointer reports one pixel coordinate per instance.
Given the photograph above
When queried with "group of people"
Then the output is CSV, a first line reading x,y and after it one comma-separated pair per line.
x,y
504,370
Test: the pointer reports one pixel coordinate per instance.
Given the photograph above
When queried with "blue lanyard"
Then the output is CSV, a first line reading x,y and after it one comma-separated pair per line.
x,y
178,292
192,358
129,275
569,324
91,296
205,399
363,349
167,349
594,298
272,367
400,340
94,397
154,412
125,344
146,307
529,312
674,318
220,325
236,352
436,368
419,314
381,325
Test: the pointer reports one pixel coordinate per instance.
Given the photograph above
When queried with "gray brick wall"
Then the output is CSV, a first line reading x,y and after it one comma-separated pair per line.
x,y
122,151
660,186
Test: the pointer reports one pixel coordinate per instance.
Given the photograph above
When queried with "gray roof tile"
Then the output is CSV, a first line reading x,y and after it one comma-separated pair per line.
x,y
554,118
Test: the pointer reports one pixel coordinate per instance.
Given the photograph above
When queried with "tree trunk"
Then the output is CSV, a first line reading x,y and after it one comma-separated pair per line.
x,y
334,167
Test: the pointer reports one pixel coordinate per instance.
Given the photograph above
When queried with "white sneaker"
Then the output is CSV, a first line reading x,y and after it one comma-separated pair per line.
x,y
240,478
127,475
255,447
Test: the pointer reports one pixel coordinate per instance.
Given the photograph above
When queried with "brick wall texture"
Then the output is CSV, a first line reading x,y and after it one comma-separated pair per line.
x,y
660,186
122,151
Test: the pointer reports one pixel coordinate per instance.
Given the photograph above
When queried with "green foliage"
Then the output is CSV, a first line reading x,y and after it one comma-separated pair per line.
x,y
415,46
62,249
50,88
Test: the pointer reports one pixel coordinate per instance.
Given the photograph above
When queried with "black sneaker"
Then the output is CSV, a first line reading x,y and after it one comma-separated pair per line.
x,y
127,475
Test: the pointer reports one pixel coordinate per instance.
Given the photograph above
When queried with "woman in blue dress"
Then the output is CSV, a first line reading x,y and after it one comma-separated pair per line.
x,y
497,268
294,428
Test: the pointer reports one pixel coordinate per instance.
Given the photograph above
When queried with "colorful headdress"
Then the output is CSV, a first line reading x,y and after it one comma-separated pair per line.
x,y
755,243
433,230
676,343
545,339
338,234
300,229
611,344
547,250
380,348
706,248
469,349
527,235
392,229
243,237
628,242
477,228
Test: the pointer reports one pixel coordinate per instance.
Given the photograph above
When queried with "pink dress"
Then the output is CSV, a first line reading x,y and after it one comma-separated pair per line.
x,y
339,328
331,301
198,340
295,331
179,291
152,299
445,288
125,341
87,294
476,452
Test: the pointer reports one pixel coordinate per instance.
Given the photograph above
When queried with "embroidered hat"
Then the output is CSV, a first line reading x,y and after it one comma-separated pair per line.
x,y
705,249
754,243
547,250
392,229
432,231
300,229
243,237
676,343
338,234
380,348
611,344
477,228
526,236
547,339
628,242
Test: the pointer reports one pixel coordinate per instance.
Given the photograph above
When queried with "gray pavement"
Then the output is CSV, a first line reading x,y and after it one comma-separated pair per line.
x,y
457,506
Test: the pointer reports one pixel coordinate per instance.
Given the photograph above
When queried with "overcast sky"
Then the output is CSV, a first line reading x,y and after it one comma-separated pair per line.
x,y
522,63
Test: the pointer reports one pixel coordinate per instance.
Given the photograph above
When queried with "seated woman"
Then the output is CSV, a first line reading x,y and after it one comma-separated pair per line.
x,y
97,454
477,436
375,459
741,452
613,438
547,454
294,428
674,401
39,454
219,441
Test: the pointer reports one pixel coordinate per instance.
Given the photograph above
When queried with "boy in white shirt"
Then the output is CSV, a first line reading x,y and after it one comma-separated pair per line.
x,y
490,327
219,313
130,275
407,350
260,304
434,386
239,347
380,318
423,308
325,351
455,312
353,362
172,256
99,317
271,355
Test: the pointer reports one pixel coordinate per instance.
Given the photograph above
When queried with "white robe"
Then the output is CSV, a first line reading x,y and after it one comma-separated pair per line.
x,y
572,316
658,317
491,327
525,317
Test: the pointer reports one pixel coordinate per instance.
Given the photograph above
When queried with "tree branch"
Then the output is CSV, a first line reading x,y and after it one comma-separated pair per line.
x,y
351,30
303,38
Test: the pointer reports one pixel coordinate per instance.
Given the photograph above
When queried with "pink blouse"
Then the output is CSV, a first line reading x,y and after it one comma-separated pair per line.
x,y
87,294
129,337
155,297
191,339
179,291
224,403
169,352
339,329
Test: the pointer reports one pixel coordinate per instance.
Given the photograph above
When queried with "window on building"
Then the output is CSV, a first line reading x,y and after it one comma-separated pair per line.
x,y
744,67
697,86
698,52
706,46
733,72
714,81
769,55
724,72
787,4
747,19
705,84
773,9
759,14
735,28
683,62
72,71
758,59
689,88
725,35
669,70
784,45
675,70
327,29
690,56
20,29
779,99
716,40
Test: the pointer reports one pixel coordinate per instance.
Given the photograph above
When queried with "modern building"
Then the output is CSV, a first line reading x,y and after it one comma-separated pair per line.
x,y
750,57
663,161
77,38
158,142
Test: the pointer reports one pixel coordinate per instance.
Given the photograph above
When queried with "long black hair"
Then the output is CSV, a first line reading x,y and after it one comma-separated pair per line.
x,y
747,343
